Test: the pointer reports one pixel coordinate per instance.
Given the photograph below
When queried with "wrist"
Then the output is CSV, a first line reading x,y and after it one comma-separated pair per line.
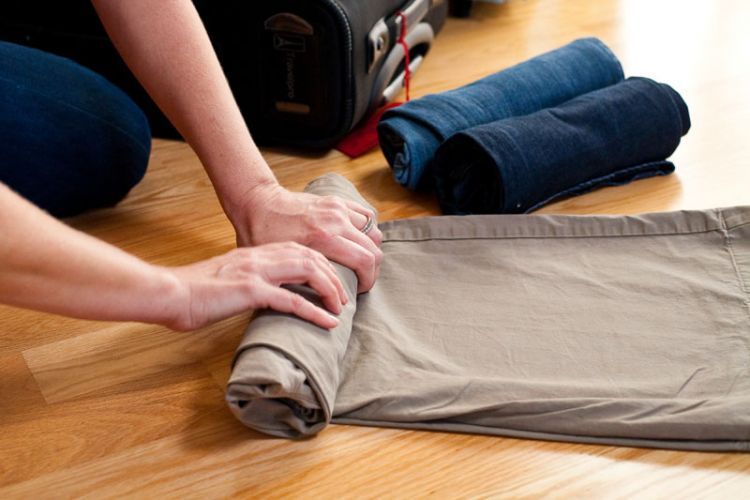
x,y
168,299
252,200
255,194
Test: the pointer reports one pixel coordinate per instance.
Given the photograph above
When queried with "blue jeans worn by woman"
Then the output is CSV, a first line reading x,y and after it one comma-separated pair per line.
x,y
70,141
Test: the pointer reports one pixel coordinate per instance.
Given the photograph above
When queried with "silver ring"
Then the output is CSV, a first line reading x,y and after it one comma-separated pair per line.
x,y
368,225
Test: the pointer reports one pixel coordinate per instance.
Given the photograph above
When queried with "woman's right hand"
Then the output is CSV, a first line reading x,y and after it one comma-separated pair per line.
x,y
251,278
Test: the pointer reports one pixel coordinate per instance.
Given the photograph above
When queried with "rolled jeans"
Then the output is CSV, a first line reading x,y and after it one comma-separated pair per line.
x,y
71,140
411,134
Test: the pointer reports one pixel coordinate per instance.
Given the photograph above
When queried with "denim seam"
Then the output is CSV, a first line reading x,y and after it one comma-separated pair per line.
x,y
503,167
649,169
83,111
448,238
735,266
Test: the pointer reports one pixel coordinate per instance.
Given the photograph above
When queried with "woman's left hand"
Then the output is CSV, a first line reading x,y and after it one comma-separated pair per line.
x,y
328,224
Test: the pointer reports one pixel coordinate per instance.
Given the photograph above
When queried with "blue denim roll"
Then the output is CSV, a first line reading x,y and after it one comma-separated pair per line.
x,y
607,137
71,140
410,134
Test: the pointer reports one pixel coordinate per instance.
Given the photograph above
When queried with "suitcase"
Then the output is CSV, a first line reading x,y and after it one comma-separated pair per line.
x,y
306,72
303,72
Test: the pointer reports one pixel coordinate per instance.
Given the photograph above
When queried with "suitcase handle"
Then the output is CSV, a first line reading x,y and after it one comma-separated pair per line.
x,y
387,84
392,90
379,38
414,13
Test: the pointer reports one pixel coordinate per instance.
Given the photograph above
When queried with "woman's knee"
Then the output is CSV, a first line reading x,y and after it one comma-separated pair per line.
x,y
72,141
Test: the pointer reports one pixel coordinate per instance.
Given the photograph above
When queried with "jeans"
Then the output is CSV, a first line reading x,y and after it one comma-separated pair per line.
x,y
71,141
607,137
411,134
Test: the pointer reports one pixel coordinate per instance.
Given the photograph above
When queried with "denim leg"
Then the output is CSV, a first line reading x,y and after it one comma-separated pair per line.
x,y
71,141
607,137
411,134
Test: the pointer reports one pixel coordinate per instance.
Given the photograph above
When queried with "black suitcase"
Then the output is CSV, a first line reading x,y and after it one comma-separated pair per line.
x,y
304,72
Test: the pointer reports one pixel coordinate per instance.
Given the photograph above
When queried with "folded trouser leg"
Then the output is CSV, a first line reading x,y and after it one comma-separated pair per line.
x,y
627,330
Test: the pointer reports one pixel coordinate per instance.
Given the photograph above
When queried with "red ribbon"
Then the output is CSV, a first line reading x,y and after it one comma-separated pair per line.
x,y
405,47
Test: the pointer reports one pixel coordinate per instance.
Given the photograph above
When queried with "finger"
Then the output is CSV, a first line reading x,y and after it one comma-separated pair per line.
x,y
365,242
376,235
354,256
356,214
313,272
362,210
343,295
359,221
330,271
293,250
282,300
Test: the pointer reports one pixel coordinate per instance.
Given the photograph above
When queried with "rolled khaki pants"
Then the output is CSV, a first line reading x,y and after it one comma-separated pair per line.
x,y
630,330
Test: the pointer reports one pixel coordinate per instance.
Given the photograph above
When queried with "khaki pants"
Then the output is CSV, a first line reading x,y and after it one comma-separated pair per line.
x,y
631,330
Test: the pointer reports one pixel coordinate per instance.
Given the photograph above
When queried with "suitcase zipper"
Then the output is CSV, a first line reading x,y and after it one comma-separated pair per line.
x,y
348,71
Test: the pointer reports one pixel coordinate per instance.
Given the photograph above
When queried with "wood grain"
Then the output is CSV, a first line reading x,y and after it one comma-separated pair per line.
x,y
101,409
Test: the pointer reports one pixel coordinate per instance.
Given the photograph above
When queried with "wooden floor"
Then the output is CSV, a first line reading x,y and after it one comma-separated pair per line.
x,y
128,409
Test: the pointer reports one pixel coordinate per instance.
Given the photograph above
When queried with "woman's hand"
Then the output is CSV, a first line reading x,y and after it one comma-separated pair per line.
x,y
251,278
327,224
60,270
169,51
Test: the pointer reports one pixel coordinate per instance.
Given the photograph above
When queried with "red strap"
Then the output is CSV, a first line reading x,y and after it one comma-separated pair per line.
x,y
365,137
402,42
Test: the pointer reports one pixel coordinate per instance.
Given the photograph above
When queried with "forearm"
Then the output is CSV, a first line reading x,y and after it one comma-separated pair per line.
x,y
48,266
166,46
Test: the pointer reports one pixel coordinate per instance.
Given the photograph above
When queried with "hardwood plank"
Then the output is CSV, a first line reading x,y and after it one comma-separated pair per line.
x,y
220,367
223,459
22,329
19,392
101,409
53,437
106,359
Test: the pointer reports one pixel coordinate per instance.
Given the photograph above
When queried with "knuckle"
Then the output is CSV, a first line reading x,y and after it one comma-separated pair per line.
x,y
367,260
331,201
339,218
308,265
297,302
321,234
248,287
320,259
306,252
294,246
251,264
310,220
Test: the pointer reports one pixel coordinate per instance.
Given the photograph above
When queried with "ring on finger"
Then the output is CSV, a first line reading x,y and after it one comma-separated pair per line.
x,y
368,225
